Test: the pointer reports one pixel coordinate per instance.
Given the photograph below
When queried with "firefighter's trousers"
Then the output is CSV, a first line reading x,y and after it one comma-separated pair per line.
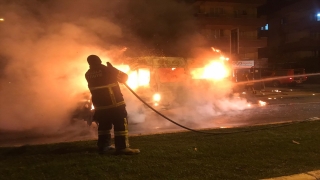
x,y
116,117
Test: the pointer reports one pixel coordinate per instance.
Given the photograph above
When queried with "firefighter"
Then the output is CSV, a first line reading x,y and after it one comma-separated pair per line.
x,y
110,108
249,85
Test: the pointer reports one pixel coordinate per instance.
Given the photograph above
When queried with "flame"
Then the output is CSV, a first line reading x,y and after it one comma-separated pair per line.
x,y
157,97
133,80
215,50
143,77
140,77
123,68
216,70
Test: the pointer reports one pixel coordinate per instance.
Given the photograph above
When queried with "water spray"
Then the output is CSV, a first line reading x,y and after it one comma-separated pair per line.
x,y
278,77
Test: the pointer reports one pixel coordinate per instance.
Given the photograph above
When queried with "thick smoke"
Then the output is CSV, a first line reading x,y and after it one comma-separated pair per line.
x,y
45,50
44,45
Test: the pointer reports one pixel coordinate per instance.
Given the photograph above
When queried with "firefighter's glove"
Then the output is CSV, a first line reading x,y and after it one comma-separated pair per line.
x,y
109,64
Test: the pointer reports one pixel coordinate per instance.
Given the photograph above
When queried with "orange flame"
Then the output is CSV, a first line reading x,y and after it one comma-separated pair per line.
x,y
216,70
140,77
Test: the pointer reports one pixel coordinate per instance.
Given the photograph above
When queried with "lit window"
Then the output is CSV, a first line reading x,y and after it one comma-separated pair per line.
x,y
265,28
318,17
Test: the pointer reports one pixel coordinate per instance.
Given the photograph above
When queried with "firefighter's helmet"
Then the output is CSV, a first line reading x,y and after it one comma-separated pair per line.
x,y
93,59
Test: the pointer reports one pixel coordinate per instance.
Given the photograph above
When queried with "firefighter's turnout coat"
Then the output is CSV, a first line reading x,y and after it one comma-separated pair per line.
x,y
109,104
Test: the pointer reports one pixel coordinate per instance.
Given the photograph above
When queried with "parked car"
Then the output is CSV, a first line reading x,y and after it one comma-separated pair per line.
x,y
280,77
299,75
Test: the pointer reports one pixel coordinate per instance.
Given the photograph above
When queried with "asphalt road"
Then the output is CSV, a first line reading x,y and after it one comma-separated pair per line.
x,y
281,105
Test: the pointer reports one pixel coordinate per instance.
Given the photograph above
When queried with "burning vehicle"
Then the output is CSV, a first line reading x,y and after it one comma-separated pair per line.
x,y
166,82
84,109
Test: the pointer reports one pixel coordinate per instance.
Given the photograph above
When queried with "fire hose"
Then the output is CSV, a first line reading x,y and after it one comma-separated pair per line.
x,y
204,132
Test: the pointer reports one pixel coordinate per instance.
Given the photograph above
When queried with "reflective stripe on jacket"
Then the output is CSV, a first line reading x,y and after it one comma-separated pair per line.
x,y
104,87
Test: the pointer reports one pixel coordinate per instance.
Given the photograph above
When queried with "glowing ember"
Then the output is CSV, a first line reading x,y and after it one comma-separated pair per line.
x,y
223,58
215,50
262,103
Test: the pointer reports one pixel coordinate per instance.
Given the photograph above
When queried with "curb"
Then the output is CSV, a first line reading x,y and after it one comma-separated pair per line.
x,y
312,175
287,94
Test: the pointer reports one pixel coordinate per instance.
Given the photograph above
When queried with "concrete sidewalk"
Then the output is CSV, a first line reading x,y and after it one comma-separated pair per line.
x,y
312,175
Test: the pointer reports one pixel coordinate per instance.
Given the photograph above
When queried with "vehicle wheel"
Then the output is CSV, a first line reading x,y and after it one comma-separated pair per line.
x,y
275,83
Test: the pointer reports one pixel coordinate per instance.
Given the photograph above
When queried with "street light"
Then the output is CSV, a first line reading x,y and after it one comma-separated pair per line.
x,y
1,19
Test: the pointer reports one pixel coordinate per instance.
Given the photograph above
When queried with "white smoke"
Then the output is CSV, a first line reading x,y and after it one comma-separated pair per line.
x,y
44,45
46,54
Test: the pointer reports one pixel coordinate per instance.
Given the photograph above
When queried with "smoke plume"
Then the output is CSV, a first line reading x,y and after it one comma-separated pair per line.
x,y
44,45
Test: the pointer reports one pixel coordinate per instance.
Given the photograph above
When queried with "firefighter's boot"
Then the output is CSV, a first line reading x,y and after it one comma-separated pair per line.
x,y
127,151
104,142
121,139
107,150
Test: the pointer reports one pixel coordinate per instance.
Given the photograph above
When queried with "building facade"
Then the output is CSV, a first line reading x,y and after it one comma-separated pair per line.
x,y
293,32
232,26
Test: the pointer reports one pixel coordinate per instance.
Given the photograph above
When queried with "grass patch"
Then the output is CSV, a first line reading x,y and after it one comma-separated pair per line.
x,y
249,155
